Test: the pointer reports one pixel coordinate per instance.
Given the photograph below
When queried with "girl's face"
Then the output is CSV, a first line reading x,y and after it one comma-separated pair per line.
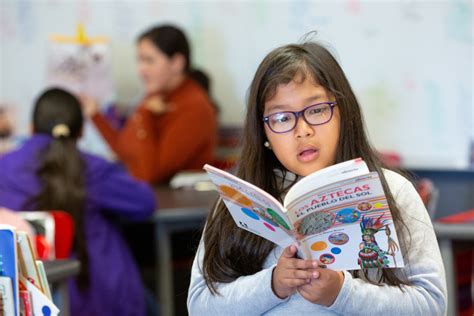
x,y
306,148
155,68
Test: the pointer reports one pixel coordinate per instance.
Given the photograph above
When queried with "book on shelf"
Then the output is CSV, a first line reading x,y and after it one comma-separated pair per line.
x,y
338,215
24,288
7,303
9,269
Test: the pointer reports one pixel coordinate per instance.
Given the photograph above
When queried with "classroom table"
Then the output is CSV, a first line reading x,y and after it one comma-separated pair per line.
x,y
178,210
446,234
58,272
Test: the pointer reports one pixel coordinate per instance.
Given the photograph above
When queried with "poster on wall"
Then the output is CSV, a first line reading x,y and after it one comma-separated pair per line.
x,y
81,65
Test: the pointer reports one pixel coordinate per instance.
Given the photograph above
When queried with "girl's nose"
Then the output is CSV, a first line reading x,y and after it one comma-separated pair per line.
x,y
303,129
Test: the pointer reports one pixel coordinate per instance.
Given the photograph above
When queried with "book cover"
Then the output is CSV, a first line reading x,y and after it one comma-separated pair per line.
x,y
26,259
40,303
338,215
8,262
7,304
44,279
25,303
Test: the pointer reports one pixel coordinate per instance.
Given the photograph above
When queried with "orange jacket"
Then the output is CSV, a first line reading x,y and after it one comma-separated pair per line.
x,y
155,147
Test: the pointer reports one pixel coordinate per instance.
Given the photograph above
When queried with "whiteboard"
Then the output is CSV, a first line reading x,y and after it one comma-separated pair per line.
x,y
410,63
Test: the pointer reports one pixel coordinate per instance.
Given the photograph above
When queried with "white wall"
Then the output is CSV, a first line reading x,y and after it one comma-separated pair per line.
x,y
409,62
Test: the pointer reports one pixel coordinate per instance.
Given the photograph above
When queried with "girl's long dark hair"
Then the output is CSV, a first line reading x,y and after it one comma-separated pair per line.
x,y
231,252
61,167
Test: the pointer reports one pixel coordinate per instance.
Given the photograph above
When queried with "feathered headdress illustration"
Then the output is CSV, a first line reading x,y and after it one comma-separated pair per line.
x,y
370,225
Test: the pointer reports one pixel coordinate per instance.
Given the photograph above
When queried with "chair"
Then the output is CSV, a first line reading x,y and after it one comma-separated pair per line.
x,y
229,138
63,234
54,233
429,194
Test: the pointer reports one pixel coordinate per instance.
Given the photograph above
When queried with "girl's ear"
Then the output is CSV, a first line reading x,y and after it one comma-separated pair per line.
x,y
31,128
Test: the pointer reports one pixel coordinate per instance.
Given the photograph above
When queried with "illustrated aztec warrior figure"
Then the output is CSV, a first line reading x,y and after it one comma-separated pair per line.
x,y
370,254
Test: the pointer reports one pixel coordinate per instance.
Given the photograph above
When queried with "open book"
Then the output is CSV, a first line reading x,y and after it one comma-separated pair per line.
x,y
338,215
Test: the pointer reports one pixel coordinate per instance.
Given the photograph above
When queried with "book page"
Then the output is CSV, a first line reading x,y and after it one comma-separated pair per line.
x,y
252,208
320,178
347,225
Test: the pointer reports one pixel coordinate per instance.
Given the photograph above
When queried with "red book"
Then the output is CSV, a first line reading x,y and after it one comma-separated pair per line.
x,y
25,303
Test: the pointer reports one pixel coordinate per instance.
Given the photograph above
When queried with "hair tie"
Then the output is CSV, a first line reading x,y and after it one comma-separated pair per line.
x,y
60,130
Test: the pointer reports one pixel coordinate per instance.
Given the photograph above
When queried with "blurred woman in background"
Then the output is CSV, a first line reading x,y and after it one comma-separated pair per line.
x,y
174,128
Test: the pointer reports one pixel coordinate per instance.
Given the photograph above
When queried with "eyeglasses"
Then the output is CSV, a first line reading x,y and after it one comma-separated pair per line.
x,y
316,114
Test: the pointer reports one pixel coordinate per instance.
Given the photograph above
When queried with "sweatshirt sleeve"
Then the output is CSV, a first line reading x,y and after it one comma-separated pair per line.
x,y
110,134
134,144
152,152
423,267
120,194
178,144
247,295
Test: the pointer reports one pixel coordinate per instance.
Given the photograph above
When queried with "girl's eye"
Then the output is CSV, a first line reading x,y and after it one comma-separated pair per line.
x,y
281,117
317,110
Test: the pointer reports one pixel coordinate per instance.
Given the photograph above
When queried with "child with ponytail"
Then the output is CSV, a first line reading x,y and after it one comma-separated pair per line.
x,y
49,172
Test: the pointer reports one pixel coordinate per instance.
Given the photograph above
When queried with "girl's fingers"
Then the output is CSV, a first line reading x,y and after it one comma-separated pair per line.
x,y
295,282
302,264
304,274
289,252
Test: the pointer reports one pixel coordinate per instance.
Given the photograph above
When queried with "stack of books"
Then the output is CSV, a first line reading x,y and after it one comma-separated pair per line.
x,y
24,288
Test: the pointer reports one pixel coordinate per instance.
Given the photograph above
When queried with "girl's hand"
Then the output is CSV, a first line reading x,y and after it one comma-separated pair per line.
x,y
324,288
291,272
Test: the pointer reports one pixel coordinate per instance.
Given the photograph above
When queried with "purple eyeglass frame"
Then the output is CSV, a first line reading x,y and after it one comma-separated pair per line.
x,y
297,114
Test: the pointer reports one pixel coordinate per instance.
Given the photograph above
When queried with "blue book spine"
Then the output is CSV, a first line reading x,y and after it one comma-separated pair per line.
x,y
8,261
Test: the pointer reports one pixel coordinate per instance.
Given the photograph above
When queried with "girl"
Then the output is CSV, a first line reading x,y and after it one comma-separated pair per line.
x,y
49,173
237,272
175,126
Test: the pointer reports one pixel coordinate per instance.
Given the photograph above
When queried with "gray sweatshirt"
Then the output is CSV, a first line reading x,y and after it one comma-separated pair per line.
x,y
253,295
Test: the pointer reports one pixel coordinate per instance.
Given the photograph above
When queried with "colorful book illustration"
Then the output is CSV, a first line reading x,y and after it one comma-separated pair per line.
x,y
338,215
9,267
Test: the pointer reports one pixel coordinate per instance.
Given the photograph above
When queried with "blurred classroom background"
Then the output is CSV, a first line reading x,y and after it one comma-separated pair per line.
x,y
409,62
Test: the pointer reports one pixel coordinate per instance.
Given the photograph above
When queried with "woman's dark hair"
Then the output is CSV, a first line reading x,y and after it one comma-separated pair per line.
x,y
230,251
58,113
170,40
201,78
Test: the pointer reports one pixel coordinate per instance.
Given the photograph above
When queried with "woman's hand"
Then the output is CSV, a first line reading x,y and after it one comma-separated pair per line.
x,y
323,288
89,105
156,105
291,272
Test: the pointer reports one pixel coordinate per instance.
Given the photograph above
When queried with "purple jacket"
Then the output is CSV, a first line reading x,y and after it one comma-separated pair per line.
x,y
115,283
